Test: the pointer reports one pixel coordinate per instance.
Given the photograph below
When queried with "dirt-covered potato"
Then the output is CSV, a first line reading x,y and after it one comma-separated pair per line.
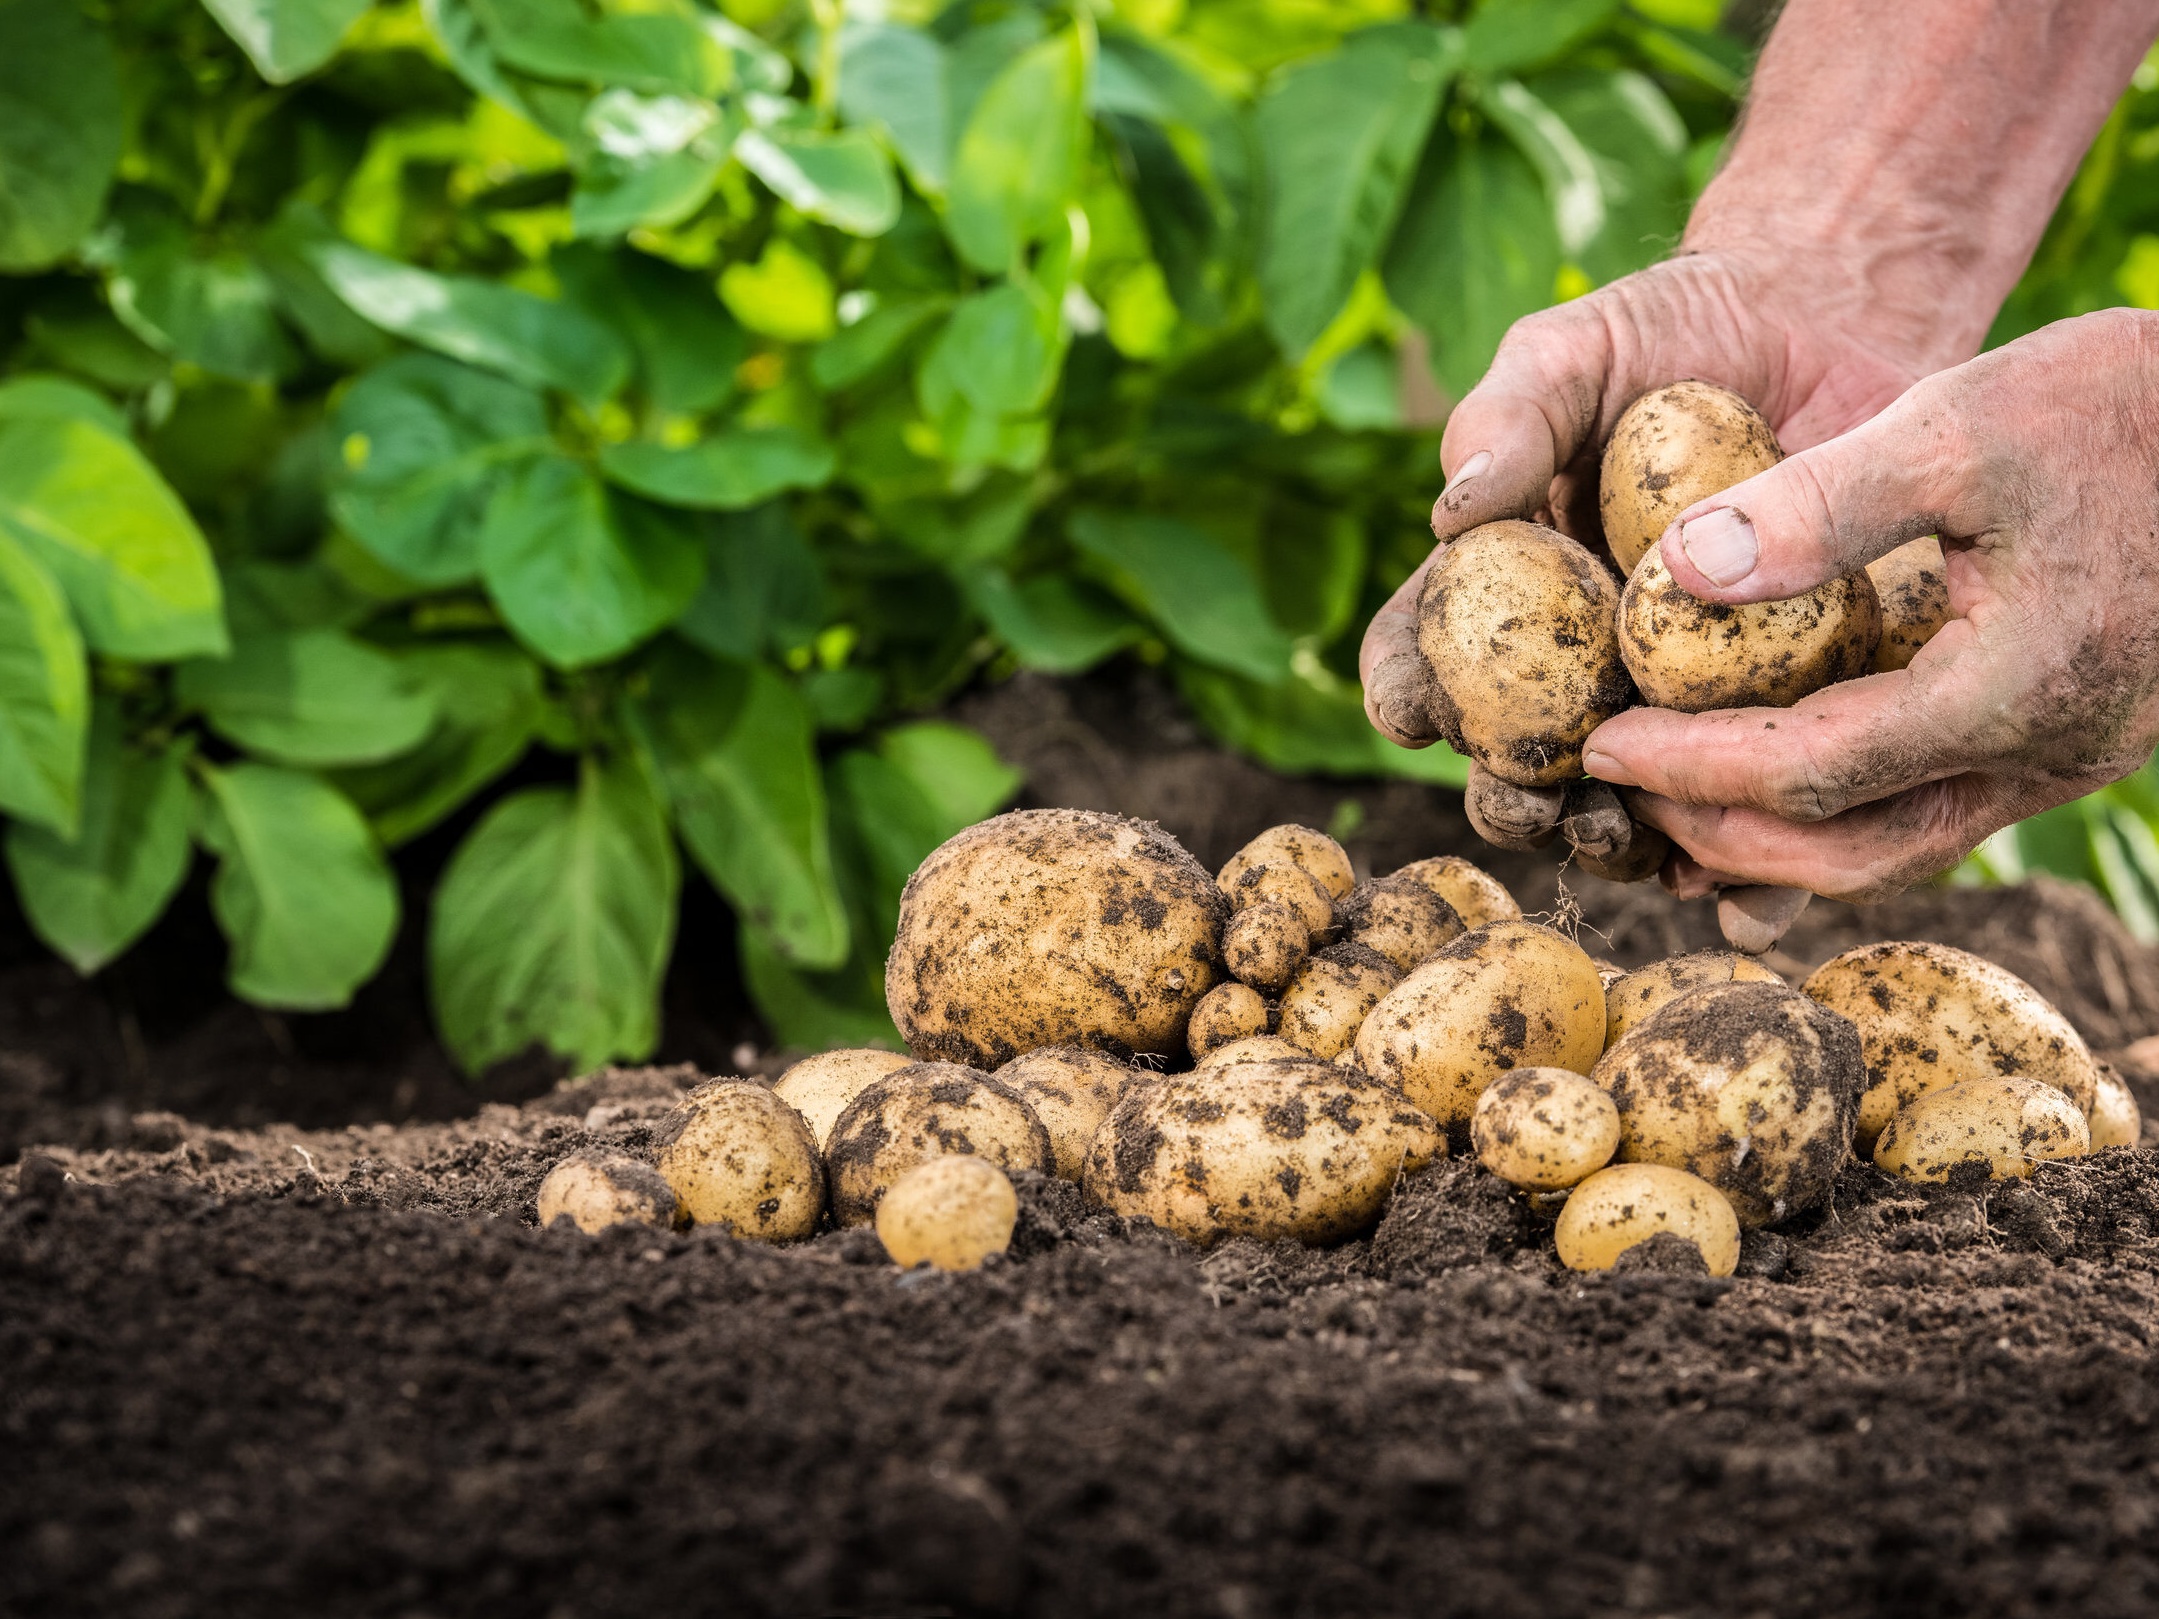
x,y
1673,447
820,1087
594,1190
922,1112
1504,996
1225,1014
2115,1118
1617,1208
2004,1121
1607,840
1544,1129
1292,887
1476,895
1264,945
1071,1090
1402,919
1267,1150
953,1212
1049,928
1629,1002
1331,994
1932,1015
1518,819
1300,846
1913,586
738,1156
1253,1048
1753,1087
1519,624
1695,655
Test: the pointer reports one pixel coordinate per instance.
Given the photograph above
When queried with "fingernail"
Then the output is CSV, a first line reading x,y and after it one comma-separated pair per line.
x,y
1476,466
1606,768
1722,545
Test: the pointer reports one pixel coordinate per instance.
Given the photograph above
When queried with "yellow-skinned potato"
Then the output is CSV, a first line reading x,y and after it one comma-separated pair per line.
x,y
2003,1121
1226,1014
1292,887
1504,996
1315,852
1253,1048
1328,999
922,1112
596,1190
1673,447
738,1156
1931,1015
1264,945
1267,1150
1913,585
953,1212
1071,1090
1544,1129
1519,625
1753,1087
1616,1208
820,1087
1051,928
1476,895
1401,919
1630,1001
2115,1118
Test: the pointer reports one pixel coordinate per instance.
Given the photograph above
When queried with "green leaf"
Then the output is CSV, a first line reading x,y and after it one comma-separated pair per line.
x,y
893,78
842,177
302,891
91,896
309,697
786,294
734,468
581,575
44,694
1018,160
979,526
286,38
652,50
816,1011
1341,137
61,128
687,344
1313,724
215,308
1637,147
1507,36
860,351
553,923
1571,177
955,768
999,351
1206,598
34,398
1059,625
762,590
654,160
328,323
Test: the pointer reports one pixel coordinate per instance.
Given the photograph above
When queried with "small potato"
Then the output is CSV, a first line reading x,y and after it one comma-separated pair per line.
x,y
1266,1150
1264,945
2115,1118
922,1112
1071,1091
1330,996
1506,995
1543,1129
1476,895
2005,1121
953,1212
1226,1013
1627,1204
1300,846
738,1156
1289,886
1649,989
1403,920
596,1190
1913,584
1253,1048
820,1087
1670,448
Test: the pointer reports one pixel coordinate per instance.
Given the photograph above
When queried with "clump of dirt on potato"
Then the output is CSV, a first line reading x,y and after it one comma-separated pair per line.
x,y
1400,918
1633,997
925,1111
1672,447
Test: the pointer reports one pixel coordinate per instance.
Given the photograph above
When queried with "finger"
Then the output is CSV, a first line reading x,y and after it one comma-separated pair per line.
x,y
1685,877
1752,919
1511,817
1392,669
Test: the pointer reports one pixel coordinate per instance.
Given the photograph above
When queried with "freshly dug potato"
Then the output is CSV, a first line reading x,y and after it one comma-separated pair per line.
x,y
1913,585
1264,945
1753,1087
1476,895
1071,1090
1225,1014
1695,655
1673,447
738,1156
2005,1121
953,1212
2115,1118
1053,927
1403,920
922,1112
1630,1001
1608,842
1932,1015
1504,996
1268,1150
820,1087
1300,846
1331,994
1253,1048
1519,624
1291,887
1616,1208
1544,1129
594,1190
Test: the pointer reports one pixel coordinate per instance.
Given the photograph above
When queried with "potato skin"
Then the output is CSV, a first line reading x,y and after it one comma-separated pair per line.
x,y
1264,945
1519,624
1053,927
1931,1015
1476,895
1291,887
1401,919
820,1087
1616,1208
1913,584
1300,846
1544,1129
1260,1149
2005,1121
1071,1090
2115,1118
952,1212
1328,999
1226,1013
1253,1048
922,1112
1670,448
738,1156
1632,1000
594,1190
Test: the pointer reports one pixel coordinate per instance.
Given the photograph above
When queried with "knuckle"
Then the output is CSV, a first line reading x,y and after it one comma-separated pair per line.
x,y
1802,788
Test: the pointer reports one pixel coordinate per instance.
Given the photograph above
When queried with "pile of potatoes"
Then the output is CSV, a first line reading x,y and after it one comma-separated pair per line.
x,y
1265,1052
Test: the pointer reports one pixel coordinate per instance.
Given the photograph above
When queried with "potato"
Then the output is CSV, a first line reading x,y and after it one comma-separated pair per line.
x,y
1607,840
738,1156
1292,887
2004,1121
953,1212
1616,1208
1504,996
1300,846
1913,584
1543,1129
1518,819
1673,447
1071,1091
594,1190
1635,996
1050,928
1403,920
1226,1013
1694,655
1264,945
1330,996
1753,1087
921,1112
1519,624
1253,1048
820,1087
1261,1149
2115,1118
1476,895
1931,1015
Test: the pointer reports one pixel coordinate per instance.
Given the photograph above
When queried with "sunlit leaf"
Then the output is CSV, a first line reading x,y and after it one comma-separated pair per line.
x,y
1018,157
1206,598
286,38
44,695
61,127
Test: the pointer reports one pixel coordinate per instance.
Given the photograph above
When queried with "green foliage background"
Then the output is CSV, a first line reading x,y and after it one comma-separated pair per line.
x,y
396,393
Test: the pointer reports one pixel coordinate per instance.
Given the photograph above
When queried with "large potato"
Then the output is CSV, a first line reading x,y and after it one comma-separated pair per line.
x,y
1673,447
922,1112
2004,1121
1519,626
1476,895
1931,1015
1260,1149
1544,1129
1328,999
1630,1001
1071,1090
1300,846
738,1156
1913,585
1503,996
1053,928
820,1087
1617,1208
1753,1087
